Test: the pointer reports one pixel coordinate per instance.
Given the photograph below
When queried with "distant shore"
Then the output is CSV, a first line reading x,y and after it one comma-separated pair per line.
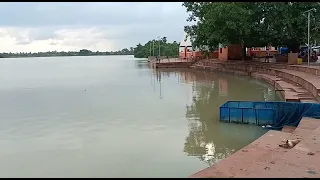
x,y
65,55
83,52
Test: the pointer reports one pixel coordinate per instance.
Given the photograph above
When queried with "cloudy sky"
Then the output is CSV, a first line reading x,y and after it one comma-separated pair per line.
x,y
98,26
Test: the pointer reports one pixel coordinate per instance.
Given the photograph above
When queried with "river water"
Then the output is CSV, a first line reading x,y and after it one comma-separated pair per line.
x,y
112,116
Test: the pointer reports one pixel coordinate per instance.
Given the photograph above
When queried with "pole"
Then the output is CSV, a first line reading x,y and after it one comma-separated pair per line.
x,y
159,47
153,48
309,11
150,49
308,38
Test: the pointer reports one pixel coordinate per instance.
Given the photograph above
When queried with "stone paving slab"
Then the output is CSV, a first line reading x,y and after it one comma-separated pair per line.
x,y
299,162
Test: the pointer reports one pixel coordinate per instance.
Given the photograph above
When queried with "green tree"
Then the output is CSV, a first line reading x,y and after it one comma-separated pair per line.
x,y
152,48
250,24
241,25
285,23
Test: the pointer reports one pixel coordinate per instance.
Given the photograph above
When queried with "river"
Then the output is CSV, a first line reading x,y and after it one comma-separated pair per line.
x,y
112,116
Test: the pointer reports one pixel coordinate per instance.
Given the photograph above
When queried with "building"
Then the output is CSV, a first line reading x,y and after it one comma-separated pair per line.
x,y
186,50
231,52
260,52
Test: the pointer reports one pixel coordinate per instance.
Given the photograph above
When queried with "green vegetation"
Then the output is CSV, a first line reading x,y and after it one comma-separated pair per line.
x,y
83,52
166,49
252,24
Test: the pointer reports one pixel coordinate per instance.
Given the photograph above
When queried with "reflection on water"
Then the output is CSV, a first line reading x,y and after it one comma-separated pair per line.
x,y
208,139
131,121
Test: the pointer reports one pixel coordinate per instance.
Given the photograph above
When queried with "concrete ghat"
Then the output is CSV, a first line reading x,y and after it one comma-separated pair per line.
x,y
305,90
263,157
171,63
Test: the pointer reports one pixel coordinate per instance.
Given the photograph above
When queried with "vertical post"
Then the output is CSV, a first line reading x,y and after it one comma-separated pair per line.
x,y
150,49
309,38
159,47
153,48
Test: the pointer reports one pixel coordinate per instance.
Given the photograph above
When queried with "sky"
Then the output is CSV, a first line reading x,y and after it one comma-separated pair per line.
x,y
97,26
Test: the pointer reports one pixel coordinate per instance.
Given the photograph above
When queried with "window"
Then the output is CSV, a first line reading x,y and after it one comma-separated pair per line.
x,y
220,50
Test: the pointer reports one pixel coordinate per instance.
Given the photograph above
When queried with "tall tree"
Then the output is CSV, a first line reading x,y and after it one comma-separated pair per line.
x,y
152,48
250,24
286,23
240,25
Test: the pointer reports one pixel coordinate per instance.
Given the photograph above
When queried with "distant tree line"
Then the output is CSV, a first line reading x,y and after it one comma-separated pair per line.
x,y
151,48
83,52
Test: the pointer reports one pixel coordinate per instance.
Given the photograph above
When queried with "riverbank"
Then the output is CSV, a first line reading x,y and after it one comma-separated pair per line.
x,y
295,83
263,157
165,62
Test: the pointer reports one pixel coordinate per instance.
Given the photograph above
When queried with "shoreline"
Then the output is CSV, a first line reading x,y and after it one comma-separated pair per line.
x,y
296,83
68,56
289,90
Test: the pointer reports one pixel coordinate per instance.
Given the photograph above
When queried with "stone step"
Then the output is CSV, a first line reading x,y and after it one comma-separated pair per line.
x,y
265,163
314,70
308,123
308,81
290,164
289,90
299,162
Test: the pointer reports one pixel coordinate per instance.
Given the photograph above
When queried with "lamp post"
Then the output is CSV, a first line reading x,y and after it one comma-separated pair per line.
x,y
313,9
150,49
153,48
159,45
178,51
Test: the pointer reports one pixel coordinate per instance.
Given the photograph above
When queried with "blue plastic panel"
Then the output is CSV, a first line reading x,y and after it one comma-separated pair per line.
x,y
224,114
276,114
249,116
236,115
265,116
246,104
233,104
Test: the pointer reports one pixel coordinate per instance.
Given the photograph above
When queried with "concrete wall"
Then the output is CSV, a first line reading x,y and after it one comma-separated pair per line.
x,y
234,52
262,53
214,55
196,53
292,58
231,52
223,54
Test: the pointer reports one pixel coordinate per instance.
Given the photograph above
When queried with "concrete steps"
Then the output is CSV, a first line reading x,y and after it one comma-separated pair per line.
x,y
308,81
290,91
314,70
300,83
288,129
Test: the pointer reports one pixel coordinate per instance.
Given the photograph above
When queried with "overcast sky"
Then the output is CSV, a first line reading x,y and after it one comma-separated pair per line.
x,y
97,26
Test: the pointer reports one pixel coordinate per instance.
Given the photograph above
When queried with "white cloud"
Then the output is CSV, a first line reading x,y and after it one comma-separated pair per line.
x,y
101,26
